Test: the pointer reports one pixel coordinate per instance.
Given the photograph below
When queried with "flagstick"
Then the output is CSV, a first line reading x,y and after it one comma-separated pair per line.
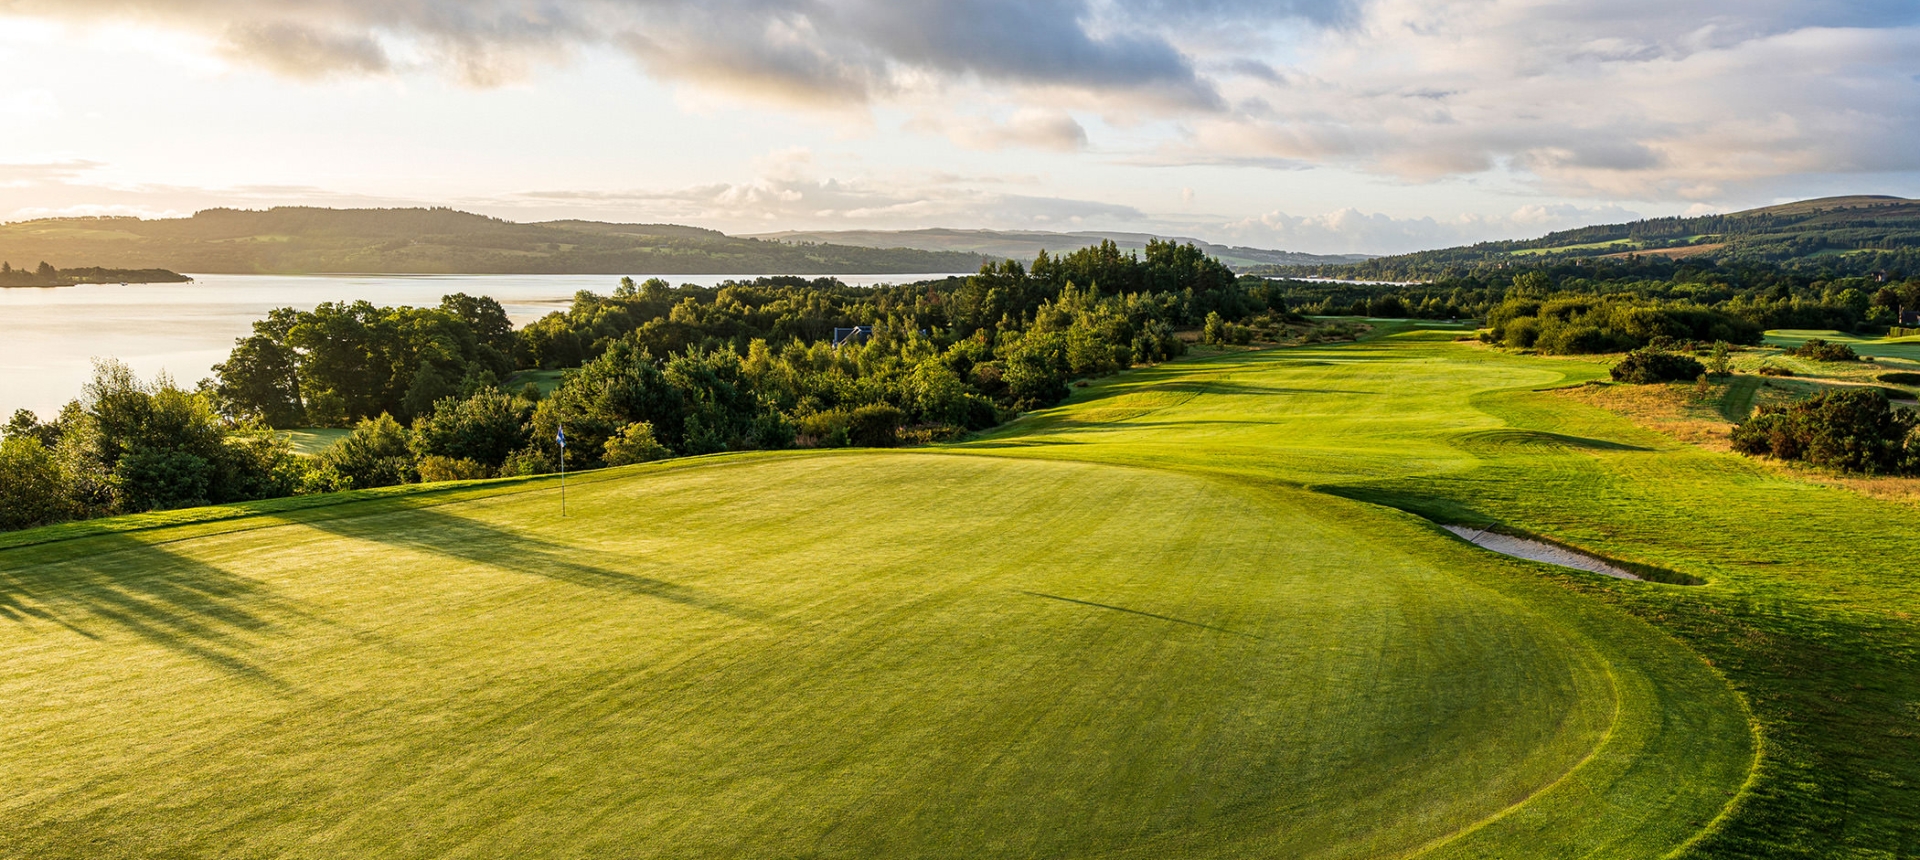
x,y
561,437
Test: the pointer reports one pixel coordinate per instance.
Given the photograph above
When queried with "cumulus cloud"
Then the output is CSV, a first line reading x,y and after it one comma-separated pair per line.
x,y
805,51
1644,100
301,51
1629,100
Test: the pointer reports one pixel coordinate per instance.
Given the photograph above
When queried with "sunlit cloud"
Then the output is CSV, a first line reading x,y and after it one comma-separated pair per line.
x,y
1604,107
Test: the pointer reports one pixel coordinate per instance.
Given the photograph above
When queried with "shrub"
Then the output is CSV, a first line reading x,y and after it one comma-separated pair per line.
x,y
875,426
32,491
1775,370
526,461
1720,359
635,444
1590,324
484,428
375,454
824,429
1852,429
157,479
1214,333
1821,350
437,468
1647,366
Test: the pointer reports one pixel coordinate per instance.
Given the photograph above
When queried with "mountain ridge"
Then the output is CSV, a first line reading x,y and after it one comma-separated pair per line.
x,y
1852,234
312,240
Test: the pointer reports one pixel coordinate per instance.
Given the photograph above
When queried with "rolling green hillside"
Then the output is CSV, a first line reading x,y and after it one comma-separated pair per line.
x,y
297,240
1201,610
1024,244
1844,234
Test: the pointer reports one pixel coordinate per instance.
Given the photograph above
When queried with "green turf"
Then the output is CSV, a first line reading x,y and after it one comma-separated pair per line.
x,y
1907,349
313,440
765,655
545,380
1587,246
1811,608
1185,614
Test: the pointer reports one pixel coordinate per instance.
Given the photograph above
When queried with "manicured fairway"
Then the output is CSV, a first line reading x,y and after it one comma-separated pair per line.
x,y
854,655
1811,605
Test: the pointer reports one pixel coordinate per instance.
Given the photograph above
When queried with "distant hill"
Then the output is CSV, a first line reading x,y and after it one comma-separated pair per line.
x,y
1846,235
299,240
1023,245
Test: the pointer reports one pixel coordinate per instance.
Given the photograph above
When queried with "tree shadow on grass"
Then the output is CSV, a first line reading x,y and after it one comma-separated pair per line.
x,y
1143,614
116,581
441,533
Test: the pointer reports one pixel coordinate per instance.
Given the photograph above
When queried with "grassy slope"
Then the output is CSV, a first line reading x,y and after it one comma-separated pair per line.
x,y
1811,607
754,655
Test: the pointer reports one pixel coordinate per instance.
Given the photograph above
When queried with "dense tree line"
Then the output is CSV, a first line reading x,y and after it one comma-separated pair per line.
x,y
651,371
1765,296
342,362
129,446
45,275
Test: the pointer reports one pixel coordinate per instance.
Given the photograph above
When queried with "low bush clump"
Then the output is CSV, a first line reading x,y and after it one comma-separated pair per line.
x,y
1775,370
1821,350
1854,430
1648,366
1581,325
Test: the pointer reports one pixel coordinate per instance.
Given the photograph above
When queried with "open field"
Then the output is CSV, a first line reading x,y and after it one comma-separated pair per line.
x,y
1906,350
313,440
1584,246
1192,612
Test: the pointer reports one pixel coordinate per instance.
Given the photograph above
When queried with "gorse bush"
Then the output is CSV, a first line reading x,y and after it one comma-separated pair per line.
x,y
1851,429
1648,366
1581,325
1817,349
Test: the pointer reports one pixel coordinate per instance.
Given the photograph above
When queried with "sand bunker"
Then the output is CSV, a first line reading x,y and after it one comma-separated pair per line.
x,y
1533,550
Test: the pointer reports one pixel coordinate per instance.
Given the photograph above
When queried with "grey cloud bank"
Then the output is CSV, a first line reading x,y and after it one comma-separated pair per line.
x,y
1617,100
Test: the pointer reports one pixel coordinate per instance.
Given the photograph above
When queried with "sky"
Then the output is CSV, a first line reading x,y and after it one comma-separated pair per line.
x,y
1327,126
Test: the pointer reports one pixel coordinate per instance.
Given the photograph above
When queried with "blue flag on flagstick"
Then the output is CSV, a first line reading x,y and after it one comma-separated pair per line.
x,y
560,436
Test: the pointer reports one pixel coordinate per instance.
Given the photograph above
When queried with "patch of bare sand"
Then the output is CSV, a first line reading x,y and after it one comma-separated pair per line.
x,y
1533,550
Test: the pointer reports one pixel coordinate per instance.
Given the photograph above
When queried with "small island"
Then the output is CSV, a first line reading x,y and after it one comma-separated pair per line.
x,y
47,276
